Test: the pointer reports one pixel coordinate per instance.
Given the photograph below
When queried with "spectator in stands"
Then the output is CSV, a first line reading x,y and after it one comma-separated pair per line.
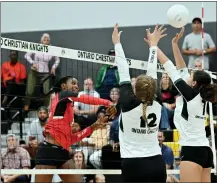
x,y
14,157
32,148
172,179
13,74
86,114
107,78
37,126
39,71
99,178
99,138
114,130
22,143
198,64
177,166
79,159
167,95
192,44
167,152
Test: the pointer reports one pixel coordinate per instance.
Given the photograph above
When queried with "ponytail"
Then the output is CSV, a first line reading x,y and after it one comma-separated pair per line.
x,y
144,107
209,92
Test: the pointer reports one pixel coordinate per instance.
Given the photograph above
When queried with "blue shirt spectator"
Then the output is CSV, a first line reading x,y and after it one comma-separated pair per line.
x,y
114,130
168,156
167,152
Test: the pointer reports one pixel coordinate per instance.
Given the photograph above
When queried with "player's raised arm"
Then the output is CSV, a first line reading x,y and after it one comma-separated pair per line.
x,y
123,67
152,60
180,63
184,89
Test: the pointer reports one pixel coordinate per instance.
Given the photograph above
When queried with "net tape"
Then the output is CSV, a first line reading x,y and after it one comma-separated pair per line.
x,y
73,171
24,46
19,45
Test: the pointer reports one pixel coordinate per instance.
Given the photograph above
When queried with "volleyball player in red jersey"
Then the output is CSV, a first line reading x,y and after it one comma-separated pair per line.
x,y
53,153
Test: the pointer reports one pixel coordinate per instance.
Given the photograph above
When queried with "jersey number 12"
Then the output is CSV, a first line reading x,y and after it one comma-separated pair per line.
x,y
151,124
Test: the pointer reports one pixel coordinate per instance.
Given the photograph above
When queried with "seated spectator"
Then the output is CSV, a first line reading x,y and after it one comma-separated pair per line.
x,y
114,130
99,178
14,157
22,143
167,152
172,179
39,71
32,148
167,95
79,159
13,75
177,167
37,126
99,138
107,78
198,64
85,113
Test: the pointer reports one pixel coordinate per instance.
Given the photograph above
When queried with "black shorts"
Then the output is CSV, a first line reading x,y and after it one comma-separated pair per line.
x,y
203,155
149,169
53,155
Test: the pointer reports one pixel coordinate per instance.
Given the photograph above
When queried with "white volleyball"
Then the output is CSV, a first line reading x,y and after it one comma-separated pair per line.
x,y
177,16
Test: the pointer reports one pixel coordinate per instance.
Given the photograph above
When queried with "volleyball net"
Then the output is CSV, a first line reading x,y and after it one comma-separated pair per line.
x,y
96,60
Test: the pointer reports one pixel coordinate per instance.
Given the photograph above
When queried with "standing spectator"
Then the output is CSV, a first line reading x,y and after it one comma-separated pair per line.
x,y
167,152
192,45
39,71
167,97
107,78
14,157
85,113
13,74
37,127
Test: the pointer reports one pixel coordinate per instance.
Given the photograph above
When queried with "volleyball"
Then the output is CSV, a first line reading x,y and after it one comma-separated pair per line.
x,y
177,16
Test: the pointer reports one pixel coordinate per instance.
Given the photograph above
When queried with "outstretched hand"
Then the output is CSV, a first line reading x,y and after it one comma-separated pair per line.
x,y
153,38
116,35
178,36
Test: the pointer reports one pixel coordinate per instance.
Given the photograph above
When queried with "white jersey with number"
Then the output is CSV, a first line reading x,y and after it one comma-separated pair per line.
x,y
189,115
138,138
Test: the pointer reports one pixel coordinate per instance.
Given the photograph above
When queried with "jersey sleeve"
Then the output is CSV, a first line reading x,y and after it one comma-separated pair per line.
x,y
87,99
76,137
152,63
123,67
184,74
183,88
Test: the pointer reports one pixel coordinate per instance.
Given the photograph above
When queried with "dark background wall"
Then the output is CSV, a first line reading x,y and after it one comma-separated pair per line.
x,y
99,40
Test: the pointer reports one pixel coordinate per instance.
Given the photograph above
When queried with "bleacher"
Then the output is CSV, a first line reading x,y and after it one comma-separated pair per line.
x,y
15,128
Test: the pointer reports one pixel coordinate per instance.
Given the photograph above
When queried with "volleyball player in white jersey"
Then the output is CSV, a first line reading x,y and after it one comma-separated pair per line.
x,y
196,155
140,151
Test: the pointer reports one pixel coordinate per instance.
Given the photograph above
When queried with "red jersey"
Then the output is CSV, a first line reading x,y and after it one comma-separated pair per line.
x,y
59,127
